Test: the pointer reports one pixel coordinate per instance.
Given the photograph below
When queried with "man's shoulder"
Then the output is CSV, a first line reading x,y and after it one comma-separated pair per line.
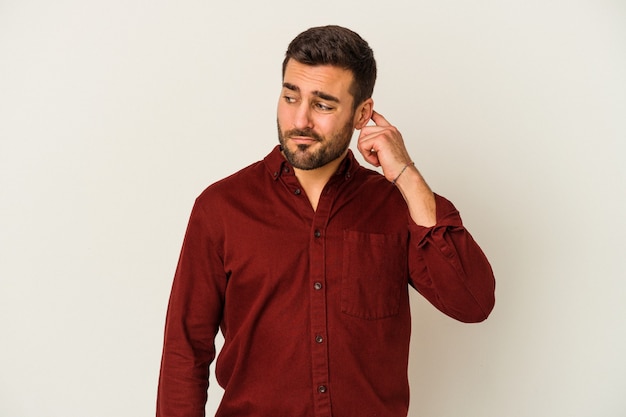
x,y
244,178
252,177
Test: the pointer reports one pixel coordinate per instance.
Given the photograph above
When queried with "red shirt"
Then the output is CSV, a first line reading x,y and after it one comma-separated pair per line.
x,y
313,305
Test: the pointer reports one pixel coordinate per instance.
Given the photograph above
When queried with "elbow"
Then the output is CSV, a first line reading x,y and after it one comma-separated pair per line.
x,y
483,294
480,311
473,308
476,317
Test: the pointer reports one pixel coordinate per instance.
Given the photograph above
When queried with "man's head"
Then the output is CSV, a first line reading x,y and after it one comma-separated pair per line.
x,y
328,80
338,47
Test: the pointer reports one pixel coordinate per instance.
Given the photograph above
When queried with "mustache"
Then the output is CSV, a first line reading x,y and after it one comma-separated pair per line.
x,y
304,132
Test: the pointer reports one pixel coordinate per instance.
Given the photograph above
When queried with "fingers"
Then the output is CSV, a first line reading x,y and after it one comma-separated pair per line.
x,y
371,140
379,120
371,157
377,136
367,149
382,145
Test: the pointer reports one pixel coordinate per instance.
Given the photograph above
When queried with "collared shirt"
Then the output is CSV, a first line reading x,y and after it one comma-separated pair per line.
x,y
313,304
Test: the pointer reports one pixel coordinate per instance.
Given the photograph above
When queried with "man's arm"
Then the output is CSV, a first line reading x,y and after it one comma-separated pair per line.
x,y
382,145
193,318
446,265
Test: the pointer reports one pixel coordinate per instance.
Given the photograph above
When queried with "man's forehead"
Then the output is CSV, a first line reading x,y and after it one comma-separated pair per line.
x,y
318,77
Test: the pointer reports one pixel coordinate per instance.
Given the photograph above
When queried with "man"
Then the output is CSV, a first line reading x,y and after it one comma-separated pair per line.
x,y
304,259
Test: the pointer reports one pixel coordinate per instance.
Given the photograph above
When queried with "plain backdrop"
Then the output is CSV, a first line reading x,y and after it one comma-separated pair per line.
x,y
115,115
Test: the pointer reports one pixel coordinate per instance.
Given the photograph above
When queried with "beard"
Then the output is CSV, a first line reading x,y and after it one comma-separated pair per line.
x,y
303,157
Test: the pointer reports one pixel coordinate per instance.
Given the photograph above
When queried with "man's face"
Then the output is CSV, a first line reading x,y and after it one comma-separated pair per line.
x,y
316,119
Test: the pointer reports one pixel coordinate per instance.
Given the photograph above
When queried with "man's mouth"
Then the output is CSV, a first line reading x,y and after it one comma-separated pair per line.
x,y
307,136
303,140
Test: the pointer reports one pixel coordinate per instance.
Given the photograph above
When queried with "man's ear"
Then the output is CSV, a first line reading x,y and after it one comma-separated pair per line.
x,y
363,113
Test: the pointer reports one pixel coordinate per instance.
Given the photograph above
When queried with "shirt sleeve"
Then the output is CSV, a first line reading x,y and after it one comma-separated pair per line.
x,y
448,267
193,318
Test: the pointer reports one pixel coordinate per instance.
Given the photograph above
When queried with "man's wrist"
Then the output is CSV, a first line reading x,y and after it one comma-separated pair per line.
x,y
418,196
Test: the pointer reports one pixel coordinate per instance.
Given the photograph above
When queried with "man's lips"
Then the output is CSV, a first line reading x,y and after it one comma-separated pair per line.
x,y
303,139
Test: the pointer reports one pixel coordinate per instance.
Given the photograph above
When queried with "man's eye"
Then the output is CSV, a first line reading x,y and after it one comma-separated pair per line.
x,y
290,99
323,107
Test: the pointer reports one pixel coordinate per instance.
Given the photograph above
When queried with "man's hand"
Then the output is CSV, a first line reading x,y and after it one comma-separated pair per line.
x,y
382,145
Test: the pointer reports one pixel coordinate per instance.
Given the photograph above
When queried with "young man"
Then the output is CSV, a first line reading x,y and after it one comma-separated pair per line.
x,y
304,259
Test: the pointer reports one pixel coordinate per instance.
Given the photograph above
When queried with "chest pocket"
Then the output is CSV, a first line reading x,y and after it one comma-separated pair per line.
x,y
373,275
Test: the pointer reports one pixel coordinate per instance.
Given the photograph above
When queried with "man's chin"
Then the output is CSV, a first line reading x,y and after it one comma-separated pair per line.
x,y
301,158
304,147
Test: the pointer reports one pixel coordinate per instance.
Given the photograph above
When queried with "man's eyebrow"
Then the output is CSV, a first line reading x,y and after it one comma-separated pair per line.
x,y
320,94
291,87
325,96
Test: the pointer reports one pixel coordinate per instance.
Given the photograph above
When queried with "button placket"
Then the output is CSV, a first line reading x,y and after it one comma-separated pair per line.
x,y
318,318
318,296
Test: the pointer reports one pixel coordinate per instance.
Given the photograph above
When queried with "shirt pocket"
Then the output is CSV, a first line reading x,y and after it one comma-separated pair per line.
x,y
373,273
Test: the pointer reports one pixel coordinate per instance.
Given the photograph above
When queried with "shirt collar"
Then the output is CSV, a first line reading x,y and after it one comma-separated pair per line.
x,y
277,165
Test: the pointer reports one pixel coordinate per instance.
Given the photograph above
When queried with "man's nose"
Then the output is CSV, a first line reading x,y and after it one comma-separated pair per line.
x,y
303,119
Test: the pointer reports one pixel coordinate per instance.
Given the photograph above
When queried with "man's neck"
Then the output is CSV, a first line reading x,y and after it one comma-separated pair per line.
x,y
313,181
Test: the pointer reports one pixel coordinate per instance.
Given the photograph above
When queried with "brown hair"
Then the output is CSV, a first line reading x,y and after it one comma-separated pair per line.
x,y
337,46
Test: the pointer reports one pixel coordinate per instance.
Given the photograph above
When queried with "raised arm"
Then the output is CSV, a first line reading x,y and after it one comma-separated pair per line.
x,y
382,145
446,265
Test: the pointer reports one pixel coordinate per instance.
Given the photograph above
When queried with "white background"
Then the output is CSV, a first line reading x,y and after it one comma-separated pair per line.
x,y
114,115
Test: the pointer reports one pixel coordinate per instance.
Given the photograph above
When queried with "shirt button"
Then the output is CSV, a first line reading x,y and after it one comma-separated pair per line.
x,y
321,389
447,251
317,286
318,233
319,339
297,191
